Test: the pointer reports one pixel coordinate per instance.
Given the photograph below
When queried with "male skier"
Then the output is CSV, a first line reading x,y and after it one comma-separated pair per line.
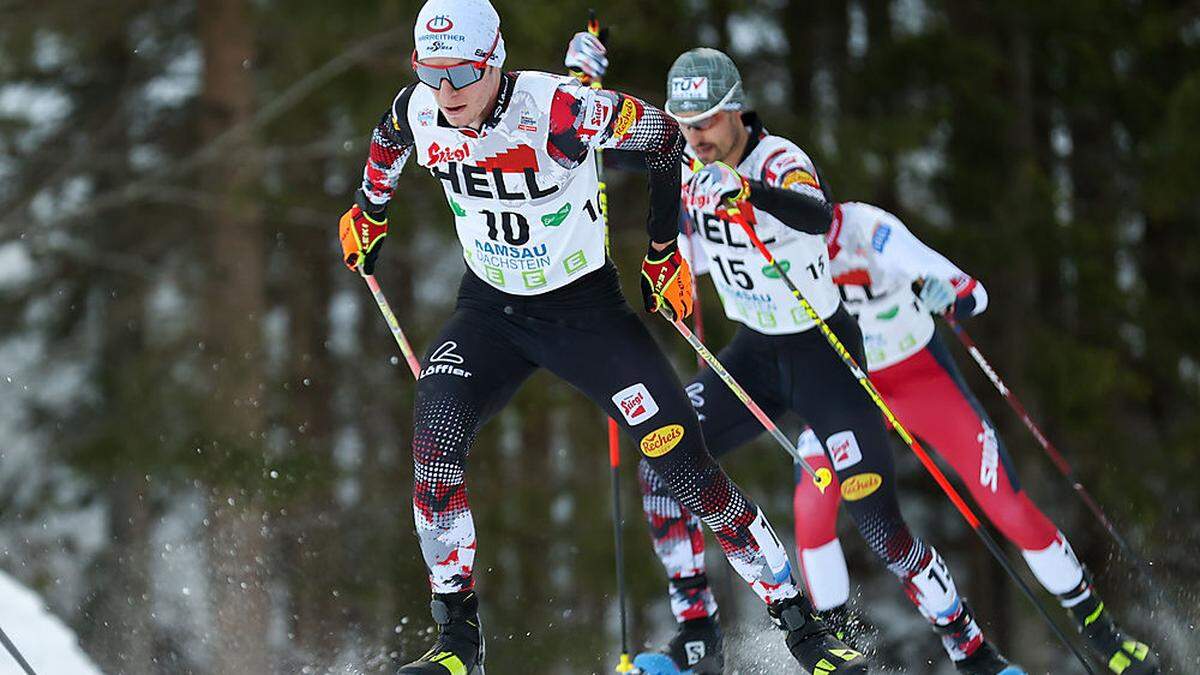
x,y
515,152
875,261
781,359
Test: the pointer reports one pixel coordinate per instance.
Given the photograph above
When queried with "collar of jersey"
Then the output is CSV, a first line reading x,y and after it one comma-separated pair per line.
x,y
508,83
757,131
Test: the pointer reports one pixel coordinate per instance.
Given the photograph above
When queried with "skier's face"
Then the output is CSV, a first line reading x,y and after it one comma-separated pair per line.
x,y
466,107
716,138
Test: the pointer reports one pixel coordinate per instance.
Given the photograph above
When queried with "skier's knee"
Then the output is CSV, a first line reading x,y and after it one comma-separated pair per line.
x,y
443,429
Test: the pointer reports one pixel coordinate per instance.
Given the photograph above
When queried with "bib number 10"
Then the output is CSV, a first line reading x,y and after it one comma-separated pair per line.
x,y
515,227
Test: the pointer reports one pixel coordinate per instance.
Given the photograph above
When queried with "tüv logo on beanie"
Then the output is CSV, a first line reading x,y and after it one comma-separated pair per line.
x,y
439,24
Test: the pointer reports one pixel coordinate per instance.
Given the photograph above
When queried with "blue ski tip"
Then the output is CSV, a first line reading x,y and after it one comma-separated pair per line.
x,y
1013,670
657,664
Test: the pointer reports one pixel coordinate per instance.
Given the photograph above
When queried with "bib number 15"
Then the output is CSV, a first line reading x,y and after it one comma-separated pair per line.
x,y
734,271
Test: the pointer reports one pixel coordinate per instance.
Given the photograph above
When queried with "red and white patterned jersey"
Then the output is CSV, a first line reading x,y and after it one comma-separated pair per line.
x,y
875,259
750,289
523,189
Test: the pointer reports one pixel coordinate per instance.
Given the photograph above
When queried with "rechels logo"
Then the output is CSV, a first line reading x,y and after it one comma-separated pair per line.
x,y
861,486
439,24
662,440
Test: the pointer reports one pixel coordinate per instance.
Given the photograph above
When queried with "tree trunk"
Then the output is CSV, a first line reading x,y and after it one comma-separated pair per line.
x,y
236,305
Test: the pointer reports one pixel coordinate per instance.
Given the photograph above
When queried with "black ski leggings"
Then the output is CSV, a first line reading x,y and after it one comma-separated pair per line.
x,y
801,373
586,334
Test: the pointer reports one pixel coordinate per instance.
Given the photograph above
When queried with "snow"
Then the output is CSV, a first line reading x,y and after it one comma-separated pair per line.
x,y
48,645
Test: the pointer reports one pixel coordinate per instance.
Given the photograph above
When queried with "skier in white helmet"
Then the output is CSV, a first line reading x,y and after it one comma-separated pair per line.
x,y
784,363
515,153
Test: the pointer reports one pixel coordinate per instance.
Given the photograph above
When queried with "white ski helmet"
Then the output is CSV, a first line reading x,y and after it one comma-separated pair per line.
x,y
459,29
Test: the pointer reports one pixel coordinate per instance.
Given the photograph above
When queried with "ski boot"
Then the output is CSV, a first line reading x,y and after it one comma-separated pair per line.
x,y
849,626
1119,652
459,647
962,636
812,641
987,661
696,649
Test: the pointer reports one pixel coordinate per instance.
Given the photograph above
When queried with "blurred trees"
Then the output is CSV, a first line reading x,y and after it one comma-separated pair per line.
x,y
205,465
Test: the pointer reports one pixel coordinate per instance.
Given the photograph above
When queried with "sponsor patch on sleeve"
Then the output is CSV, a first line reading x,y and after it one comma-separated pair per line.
x,y
784,161
879,238
635,403
597,114
799,177
625,119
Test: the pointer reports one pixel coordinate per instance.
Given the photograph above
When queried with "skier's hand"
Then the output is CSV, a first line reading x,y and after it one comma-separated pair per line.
x,y
937,295
719,184
667,280
362,237
586,54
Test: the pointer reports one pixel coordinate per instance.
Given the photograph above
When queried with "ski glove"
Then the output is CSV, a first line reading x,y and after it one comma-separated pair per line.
x,y
718,184
667,279
587,55
937,295
362,237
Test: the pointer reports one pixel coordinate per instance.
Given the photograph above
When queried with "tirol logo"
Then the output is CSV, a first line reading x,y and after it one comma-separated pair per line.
x,y
635,403
860,486
440,155
662,440
689,88
439,24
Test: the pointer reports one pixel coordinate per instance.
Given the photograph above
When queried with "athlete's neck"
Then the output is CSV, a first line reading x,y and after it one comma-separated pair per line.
x,y
737,151
490,108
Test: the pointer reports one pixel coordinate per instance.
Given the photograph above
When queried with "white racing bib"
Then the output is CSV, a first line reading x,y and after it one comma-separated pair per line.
x,y
864,242
527,225
750,289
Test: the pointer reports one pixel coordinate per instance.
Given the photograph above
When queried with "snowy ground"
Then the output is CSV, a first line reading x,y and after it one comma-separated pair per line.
x,y
49,646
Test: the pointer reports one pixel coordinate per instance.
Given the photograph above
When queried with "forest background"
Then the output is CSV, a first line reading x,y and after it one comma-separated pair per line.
x,y
204,464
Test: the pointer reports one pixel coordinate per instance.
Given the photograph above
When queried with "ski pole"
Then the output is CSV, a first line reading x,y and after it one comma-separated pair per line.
x,y
16,653
697,314
614,460
624,665
1056,457
390,317
939,477
822,477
